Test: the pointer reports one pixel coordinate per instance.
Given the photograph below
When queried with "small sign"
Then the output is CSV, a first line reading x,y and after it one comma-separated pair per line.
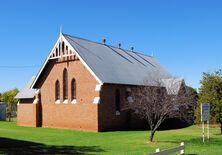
x,y
205,112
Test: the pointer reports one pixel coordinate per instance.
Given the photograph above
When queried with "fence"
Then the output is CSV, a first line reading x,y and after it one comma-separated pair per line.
x,y
180,148
2,111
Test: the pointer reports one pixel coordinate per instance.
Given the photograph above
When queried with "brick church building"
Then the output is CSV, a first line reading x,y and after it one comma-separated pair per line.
x,y
83,85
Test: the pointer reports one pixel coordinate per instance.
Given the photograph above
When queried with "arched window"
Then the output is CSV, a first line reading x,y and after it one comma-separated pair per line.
x,y
57,90
117,100
65,84
73,89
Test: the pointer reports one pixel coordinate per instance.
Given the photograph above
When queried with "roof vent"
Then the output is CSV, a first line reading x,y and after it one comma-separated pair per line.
x,y
119,45
132,48
104,40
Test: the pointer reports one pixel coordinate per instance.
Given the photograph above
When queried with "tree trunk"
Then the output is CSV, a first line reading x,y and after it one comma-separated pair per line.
x,y
151,136
221,128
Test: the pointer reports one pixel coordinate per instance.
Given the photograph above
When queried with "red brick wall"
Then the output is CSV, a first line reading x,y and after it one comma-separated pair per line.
x,y
27,114
84,114
80,117
108,120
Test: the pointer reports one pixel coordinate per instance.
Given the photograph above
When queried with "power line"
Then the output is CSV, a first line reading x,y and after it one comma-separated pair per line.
x,y
17,67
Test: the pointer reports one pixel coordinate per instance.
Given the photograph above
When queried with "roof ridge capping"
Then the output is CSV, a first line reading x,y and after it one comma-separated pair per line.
x,y
112,46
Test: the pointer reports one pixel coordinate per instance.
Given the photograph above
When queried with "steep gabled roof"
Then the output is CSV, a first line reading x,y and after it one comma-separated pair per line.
x,y
112,65
116,65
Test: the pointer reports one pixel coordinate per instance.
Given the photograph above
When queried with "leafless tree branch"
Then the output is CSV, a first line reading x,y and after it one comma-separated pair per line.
x,y
163,99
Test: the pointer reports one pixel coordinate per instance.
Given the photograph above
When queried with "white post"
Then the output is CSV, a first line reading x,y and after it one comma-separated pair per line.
x,y
183,150
158,150
203,130
208,129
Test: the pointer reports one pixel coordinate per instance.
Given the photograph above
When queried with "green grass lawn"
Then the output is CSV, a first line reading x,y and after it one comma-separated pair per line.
x,y
24,140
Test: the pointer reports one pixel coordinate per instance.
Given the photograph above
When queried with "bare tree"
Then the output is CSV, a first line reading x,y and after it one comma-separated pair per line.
x,y
166,98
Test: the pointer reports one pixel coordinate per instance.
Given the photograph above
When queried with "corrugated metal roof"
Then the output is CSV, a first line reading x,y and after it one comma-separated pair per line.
x,y
27,92
115,65
112,65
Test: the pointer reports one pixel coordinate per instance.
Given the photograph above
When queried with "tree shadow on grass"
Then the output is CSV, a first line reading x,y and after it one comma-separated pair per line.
x,y
13,146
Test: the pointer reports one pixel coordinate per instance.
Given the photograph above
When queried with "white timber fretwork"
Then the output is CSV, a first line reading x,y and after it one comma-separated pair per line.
x,y
61,49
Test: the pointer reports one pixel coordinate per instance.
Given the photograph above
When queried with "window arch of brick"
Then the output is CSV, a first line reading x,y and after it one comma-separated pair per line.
x,y
73,89
57,90
65,84
117,100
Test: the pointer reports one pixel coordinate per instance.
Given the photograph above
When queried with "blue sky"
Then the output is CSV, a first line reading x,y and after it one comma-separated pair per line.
x,y
184,35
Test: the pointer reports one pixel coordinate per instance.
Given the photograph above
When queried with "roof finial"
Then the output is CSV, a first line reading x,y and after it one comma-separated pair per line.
x,y
104,40
60,32
131,48
119,45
